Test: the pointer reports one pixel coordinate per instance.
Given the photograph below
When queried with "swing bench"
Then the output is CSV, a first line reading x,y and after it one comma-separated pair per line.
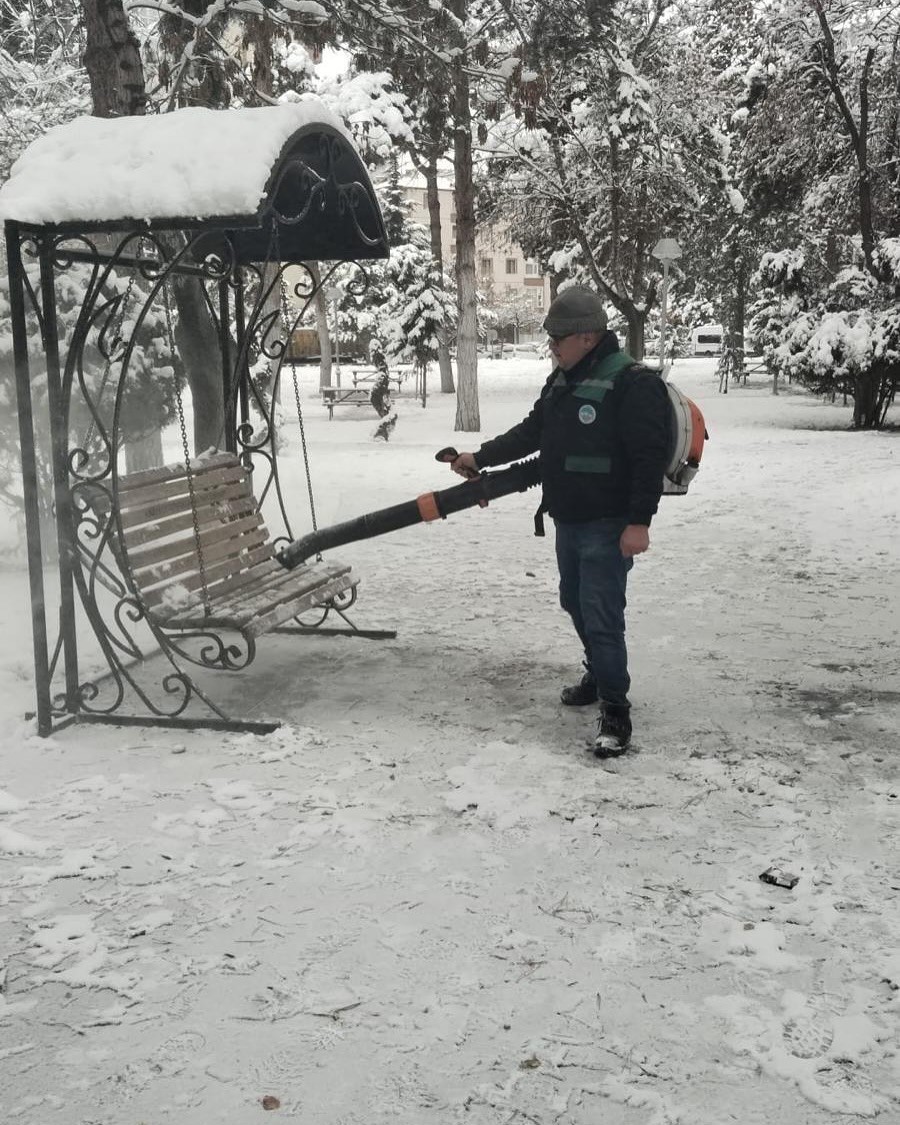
x,y
200,556
174,562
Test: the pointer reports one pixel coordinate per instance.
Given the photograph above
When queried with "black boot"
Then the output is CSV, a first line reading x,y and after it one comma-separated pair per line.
x,y
613,731
582,693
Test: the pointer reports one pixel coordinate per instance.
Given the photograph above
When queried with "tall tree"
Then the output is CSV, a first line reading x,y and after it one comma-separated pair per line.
x,y
588,166
112,59
211,53
41,77
838,69
115,71
722,61
453,39
468,416
428,93
42,83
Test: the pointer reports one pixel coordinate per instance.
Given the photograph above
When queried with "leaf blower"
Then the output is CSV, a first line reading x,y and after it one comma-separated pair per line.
x,y
478,489
688,434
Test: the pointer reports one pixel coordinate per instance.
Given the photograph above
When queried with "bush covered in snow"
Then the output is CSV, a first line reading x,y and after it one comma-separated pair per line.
x,y
834,333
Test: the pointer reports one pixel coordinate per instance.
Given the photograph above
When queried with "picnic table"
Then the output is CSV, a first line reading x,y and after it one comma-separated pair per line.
x,y
404,382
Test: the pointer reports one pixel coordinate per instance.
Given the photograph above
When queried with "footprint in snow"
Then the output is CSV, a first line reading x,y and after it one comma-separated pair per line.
x,y
808,1031
808,1037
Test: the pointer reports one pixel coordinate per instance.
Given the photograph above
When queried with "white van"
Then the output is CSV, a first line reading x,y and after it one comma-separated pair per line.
x,y
707,339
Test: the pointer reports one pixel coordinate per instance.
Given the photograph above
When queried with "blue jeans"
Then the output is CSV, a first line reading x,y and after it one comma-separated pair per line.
x,y
592,578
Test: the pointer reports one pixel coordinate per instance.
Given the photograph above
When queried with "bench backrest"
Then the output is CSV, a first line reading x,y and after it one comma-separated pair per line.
x,y
157,514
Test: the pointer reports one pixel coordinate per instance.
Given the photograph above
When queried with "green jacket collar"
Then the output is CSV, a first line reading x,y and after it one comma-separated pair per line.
x,y
605,361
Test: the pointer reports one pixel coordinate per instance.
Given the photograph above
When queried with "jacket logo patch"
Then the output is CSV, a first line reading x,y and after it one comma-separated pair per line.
x,y
586,414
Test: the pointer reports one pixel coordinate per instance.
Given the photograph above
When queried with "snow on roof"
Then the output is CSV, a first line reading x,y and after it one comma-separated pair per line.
x,y
188,164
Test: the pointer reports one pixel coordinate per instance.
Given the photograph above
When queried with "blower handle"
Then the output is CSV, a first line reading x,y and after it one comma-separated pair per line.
x,y
448,455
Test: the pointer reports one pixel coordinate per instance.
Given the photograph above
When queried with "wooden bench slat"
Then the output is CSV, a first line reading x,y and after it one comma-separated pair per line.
x,y
287,611
176,469
266,619
224,512
218,552
316,576
178,505
346,394
245,587
253,602
274,586
239,613
231,532
221,578
204,486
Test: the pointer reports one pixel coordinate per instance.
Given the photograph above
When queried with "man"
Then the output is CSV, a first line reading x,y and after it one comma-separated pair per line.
x,y
602,427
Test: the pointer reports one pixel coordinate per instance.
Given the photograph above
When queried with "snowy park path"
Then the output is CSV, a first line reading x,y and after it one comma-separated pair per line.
x,y
421,901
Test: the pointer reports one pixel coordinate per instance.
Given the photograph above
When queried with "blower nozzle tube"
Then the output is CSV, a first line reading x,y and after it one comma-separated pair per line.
x,y
430,506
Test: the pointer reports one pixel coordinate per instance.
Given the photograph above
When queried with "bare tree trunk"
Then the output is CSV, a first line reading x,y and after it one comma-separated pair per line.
x,y
437,252
270,312
200,351
445,364
733,321
112,58
198,346
467,411
865,400
321,306
637,323
272,316
858,131
144,452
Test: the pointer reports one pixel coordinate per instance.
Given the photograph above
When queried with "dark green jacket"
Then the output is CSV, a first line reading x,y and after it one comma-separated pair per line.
x,y
603,433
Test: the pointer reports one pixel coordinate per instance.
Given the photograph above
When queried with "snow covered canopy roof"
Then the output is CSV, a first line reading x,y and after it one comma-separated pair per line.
x,y
233,170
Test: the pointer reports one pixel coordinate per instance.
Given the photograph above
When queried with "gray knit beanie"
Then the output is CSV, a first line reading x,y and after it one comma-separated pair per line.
x,y
576,309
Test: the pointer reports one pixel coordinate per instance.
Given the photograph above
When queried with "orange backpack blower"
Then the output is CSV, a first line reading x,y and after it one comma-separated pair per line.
x,y
688,438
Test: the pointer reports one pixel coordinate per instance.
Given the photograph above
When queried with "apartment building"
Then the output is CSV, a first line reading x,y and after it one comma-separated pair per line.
x,y
514,289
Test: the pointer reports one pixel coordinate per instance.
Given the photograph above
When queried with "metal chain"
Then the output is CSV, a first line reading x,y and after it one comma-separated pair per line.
x,y
303,445
285,316
187,462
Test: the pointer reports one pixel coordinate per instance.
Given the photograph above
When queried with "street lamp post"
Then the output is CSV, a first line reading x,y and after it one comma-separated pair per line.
x,y
666,251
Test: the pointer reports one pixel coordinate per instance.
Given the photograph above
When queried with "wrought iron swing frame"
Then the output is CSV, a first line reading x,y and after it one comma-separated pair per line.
x,y
319,205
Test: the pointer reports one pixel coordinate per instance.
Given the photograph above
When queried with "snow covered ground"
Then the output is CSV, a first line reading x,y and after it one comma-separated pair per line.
x,y
421,901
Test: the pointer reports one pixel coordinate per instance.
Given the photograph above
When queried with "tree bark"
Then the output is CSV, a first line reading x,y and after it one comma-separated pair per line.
x,y
144,452
112,59
437,252
467,410
635,318
865,400
198,346
321,306
636,322
735,315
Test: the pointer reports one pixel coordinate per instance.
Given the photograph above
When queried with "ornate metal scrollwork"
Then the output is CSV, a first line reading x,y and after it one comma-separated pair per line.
x,y
312,189
124,277
215,653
